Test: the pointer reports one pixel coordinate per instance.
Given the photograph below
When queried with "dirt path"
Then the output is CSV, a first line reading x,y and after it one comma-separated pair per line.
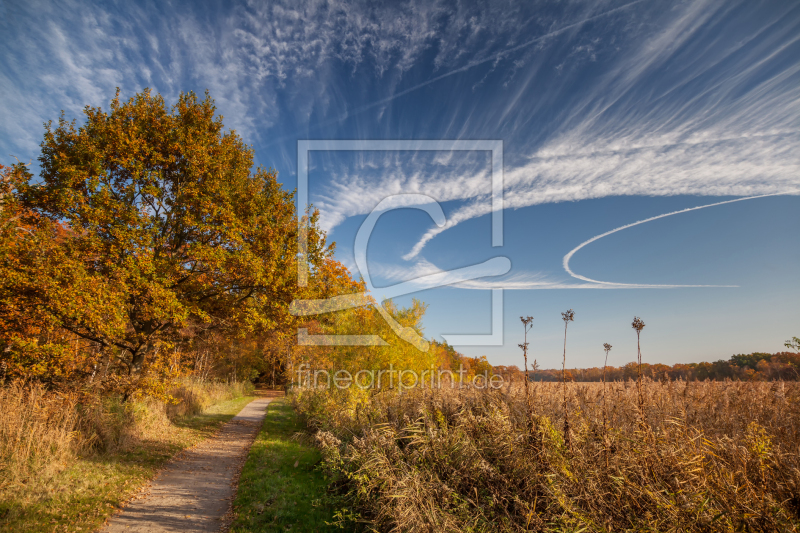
x,y
194,492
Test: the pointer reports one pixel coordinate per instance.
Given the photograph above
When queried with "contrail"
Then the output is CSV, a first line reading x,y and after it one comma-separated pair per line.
x,y
459,70
499,55
638,285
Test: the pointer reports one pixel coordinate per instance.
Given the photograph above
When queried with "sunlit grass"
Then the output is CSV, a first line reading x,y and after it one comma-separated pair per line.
x,y
281,488
87,490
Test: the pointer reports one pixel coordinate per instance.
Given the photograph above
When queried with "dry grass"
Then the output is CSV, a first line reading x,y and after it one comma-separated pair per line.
x,y
701,456
68,460
40,430
193,397
37,430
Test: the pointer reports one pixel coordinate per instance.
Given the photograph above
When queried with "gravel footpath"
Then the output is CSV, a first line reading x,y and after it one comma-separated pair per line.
x,y
196,489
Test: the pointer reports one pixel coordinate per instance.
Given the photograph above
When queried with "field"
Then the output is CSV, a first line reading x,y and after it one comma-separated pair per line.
x,y
696,456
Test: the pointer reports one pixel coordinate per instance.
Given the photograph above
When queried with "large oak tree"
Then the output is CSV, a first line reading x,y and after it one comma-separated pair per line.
x,y
149,219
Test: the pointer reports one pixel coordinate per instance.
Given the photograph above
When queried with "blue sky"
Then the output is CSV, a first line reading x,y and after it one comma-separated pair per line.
x,y
609,113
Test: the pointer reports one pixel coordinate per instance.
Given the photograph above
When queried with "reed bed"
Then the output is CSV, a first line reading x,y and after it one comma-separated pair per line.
x,y
671,456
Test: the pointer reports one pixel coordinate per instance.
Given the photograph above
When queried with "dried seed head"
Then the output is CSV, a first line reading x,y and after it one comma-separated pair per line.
x,y
568,316
607,347
637,324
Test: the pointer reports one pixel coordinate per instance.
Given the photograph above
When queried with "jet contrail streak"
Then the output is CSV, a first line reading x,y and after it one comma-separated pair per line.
x,y
466,67
638,285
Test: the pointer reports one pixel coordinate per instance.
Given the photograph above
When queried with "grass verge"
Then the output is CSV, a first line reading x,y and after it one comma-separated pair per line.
x,y
89,489
281,488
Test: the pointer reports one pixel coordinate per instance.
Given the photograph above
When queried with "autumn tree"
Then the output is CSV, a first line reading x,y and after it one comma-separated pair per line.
x,y
394,353
149,219
32,345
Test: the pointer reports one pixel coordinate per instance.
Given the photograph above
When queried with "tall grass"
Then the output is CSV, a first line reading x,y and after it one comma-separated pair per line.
x,y
41,431
37,430
567,317
607,348
527,325
712,456
638,325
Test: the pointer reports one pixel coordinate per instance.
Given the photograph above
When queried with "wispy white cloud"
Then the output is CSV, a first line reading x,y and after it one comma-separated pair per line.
x,y
422,267
72,54
744,166
675,112
520,280
362,183
75,54
679,112
397,272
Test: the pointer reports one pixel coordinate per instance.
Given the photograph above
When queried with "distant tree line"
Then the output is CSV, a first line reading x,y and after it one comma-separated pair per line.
x,y
757,366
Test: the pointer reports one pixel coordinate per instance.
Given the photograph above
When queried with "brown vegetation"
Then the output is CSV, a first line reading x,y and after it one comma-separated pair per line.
x,y
41,431
711,456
